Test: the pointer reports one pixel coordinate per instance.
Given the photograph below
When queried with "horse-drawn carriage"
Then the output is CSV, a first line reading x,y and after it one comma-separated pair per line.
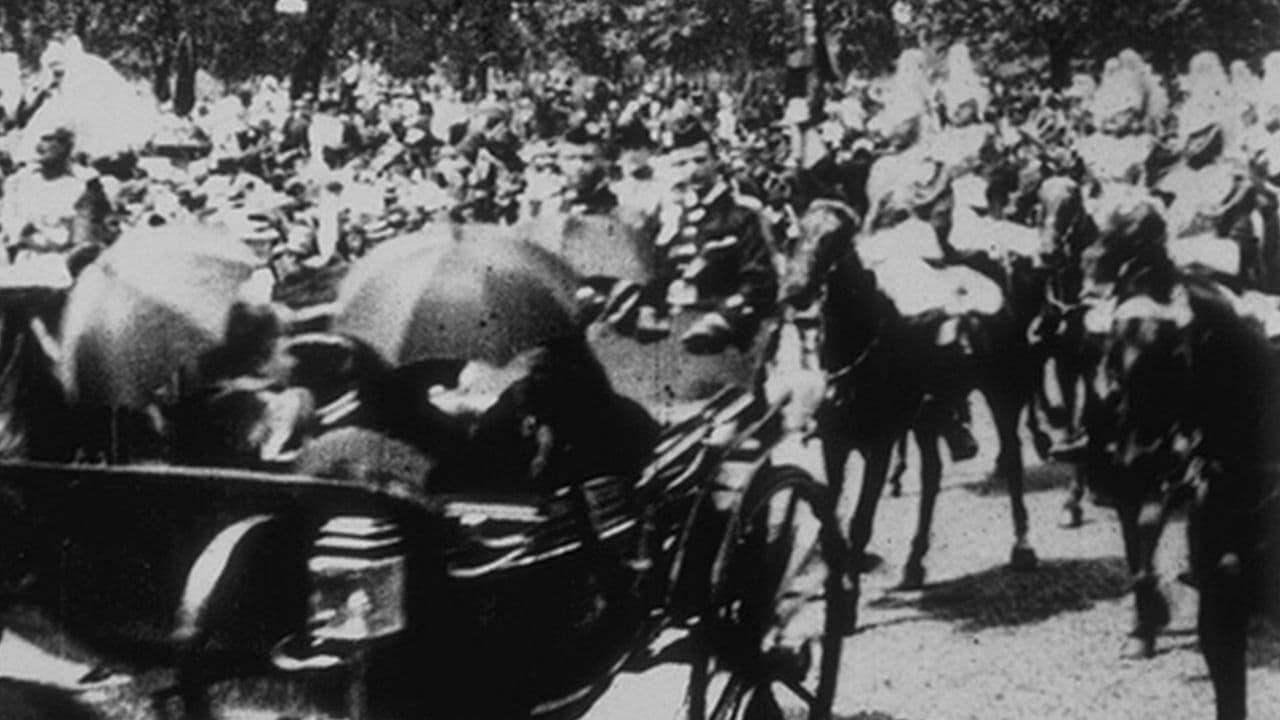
x,y
215,592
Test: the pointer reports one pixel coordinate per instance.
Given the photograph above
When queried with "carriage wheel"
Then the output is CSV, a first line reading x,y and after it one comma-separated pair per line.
x,y
769,647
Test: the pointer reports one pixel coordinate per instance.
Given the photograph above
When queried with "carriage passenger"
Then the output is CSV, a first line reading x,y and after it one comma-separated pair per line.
x,y
545,419
239,411
712,250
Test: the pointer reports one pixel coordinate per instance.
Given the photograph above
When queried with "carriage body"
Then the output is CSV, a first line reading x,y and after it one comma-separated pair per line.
x,y
201,584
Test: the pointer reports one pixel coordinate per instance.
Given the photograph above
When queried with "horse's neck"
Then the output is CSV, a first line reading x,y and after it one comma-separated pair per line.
x,y
1236,388
853,309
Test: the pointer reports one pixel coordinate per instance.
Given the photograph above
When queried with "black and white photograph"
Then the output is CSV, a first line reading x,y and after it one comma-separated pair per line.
x,y
639,360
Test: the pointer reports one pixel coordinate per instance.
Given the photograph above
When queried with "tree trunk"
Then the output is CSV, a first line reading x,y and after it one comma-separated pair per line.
x,y
184,81
162,57
14,15
322,17
1059,63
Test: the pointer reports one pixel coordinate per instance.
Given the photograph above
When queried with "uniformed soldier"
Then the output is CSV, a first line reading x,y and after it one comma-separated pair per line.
x,y
1208,191
712,251
1123,109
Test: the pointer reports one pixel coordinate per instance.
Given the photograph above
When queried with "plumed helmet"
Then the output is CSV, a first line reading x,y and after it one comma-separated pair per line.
x,y
1123,90
963,84
1269,90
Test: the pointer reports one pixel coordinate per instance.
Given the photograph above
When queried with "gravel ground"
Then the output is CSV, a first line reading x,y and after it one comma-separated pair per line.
x,y
983,642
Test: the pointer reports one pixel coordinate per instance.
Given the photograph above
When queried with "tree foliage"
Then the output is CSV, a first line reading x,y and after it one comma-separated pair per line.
x,y
237,38
1088,31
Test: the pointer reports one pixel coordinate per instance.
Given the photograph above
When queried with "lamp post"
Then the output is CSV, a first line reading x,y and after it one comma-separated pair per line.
x,y
802,76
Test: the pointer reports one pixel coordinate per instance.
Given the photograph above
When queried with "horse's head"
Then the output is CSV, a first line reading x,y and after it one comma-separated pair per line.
x,y
827,231
1129,249
1065,226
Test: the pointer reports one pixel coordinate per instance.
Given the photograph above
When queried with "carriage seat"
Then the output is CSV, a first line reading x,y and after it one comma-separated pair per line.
x,y
492,536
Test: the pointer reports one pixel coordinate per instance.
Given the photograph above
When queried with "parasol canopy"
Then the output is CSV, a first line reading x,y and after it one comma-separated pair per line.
x,y
470,292
146,309
108,114
609,246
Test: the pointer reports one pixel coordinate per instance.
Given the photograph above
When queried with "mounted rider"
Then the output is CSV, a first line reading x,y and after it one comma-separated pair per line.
x,y
1210,203
908,230
1126,111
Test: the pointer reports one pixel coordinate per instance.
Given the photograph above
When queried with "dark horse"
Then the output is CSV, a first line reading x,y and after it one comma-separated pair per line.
x,y
1059,331
1190,415
887,376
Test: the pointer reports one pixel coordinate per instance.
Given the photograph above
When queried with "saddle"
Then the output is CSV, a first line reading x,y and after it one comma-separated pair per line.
x,y
1201,198
973,231
911,271
1260,308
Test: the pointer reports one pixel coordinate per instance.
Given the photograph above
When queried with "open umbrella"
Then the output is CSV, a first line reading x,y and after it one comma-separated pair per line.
x,y
108,114
618,246
148,307
471,292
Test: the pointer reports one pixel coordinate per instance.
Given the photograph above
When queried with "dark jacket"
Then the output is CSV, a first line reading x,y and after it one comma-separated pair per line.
x,y
720,249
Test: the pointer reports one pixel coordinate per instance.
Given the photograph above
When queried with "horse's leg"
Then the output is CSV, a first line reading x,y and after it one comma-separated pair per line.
x,y
899,467
836,449
1066,368
876,465
1222,629
1073,506
1070,371
1141,523
1040,400
1222,626
913,573
1006,406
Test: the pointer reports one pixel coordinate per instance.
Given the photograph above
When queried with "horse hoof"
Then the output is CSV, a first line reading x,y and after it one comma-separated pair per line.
x,y
865,563
849,623
1139,647
1072,516
1042,444
1023,558
912,577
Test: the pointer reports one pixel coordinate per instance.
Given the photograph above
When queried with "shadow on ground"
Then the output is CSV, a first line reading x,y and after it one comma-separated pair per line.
x,y
867,716
1038,478
1002,596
